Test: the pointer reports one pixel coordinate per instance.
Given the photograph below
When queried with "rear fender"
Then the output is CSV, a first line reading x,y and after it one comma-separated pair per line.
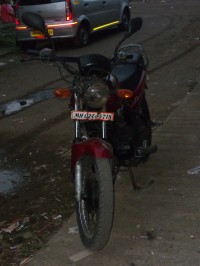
x,y
93,147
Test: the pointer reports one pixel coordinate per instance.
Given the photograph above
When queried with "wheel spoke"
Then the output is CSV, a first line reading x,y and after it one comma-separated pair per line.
x,y
90,197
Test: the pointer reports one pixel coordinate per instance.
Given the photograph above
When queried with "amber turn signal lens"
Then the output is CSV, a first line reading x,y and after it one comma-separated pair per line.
x,y
125,94
63,93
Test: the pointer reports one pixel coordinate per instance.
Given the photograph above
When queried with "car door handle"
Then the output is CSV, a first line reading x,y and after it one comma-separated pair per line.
x,y
86,4
104,2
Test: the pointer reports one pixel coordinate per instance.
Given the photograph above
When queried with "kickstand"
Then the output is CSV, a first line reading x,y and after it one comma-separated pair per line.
x,y
133,181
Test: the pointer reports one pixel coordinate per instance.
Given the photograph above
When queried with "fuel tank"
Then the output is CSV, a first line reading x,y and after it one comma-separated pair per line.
x,y
130,71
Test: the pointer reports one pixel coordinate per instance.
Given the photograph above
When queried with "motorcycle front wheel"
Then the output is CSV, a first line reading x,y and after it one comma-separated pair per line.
x,y
96,207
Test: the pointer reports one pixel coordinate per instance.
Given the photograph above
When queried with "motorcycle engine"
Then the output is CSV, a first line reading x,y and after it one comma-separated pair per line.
x,y
123,143
122,137
128,135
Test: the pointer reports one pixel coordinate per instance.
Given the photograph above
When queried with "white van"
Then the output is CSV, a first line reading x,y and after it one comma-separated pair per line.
x,y
72,18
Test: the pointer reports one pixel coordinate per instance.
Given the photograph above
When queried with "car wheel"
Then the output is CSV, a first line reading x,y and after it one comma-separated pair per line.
x,y
82,37
124,25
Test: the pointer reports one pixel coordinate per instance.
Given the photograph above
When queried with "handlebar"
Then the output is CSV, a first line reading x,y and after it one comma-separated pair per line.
x,y
46,53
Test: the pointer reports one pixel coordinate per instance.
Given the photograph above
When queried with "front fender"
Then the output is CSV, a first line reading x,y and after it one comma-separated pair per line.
x,y
94,147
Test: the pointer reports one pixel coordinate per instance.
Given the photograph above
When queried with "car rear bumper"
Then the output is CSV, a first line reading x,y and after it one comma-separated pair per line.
x,y
64,30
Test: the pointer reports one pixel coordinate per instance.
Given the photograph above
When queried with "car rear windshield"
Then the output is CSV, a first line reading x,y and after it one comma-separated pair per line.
x,y
37,2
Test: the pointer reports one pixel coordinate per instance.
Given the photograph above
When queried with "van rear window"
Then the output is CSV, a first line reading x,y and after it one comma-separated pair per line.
x,y
37,2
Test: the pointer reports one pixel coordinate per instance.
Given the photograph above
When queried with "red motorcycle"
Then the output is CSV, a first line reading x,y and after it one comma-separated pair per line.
x,y
112,126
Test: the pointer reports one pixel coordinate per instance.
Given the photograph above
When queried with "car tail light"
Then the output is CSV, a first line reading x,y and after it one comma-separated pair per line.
x,y
17,21
68,10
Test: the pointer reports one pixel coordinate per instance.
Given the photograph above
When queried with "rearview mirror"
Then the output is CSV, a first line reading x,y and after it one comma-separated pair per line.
x,y
35,21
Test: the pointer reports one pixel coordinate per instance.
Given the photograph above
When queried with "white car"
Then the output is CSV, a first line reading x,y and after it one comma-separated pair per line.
x,y
75,19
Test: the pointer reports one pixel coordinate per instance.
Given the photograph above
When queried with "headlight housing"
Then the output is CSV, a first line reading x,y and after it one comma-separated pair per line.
x,y
96,94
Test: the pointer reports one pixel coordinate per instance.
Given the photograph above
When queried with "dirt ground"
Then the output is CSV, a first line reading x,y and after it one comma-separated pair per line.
x,y
35,153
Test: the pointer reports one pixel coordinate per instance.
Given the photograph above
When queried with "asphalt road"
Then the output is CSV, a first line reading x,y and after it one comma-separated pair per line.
x,y
36,140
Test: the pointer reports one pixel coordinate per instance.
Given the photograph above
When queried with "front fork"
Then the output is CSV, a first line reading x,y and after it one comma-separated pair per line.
x,y
84,146
94,147
78,183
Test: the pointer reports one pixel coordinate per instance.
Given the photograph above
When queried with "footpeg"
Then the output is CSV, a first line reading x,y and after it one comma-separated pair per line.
x,y
149,150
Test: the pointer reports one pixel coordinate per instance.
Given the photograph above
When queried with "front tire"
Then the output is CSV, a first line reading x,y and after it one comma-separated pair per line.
x,y
96,207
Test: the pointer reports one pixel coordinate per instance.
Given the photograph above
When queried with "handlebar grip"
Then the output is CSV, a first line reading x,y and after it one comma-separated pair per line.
x,y
33,52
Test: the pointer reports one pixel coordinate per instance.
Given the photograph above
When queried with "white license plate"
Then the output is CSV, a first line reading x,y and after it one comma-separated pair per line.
x,y
82,115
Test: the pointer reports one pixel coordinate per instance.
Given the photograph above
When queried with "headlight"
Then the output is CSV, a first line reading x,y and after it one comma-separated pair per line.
x,y
96,95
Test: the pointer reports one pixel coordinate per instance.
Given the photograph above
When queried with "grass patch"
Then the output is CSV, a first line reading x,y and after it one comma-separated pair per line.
x,y
7,35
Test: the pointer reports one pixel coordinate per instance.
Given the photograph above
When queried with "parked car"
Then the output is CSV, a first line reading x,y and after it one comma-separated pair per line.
x,y
75,19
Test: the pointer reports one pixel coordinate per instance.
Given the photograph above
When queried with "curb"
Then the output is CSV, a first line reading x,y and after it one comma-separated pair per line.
x,y
9,51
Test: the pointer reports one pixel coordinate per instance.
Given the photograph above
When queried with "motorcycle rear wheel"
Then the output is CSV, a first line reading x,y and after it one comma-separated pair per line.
x,y
96,207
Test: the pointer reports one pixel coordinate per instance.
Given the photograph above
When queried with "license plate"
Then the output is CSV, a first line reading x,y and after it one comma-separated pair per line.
x,y
36,33
82,115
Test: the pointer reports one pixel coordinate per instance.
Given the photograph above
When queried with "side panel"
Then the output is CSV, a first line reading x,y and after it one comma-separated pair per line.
x,y
95,147
111,10
92,9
